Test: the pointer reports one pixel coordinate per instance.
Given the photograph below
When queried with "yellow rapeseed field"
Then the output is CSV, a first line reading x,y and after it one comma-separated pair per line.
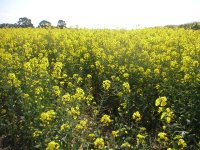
x,y
100,89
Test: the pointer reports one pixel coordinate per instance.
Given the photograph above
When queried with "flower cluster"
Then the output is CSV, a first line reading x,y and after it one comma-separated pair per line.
x,y
47,116
99,143
136,116
64,126
57,69
161,101
126,87
82,124
74,112
105,119
106,84
13,81
52,146
162,136
80,94
167,114
66,98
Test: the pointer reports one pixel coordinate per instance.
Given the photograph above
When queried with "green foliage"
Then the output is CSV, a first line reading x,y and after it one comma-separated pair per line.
x,y
193,25
44,24
61,24
24,22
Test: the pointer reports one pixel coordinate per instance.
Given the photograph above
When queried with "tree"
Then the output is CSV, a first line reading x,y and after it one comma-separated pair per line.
x,y
61,24
8,25
24,22
196,26
44,24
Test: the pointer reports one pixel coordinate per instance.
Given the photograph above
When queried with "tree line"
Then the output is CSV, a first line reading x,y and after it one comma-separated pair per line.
x,y
25,22
192,25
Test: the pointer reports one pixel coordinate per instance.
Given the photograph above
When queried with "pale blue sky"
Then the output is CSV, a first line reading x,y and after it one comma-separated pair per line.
x,y
102,13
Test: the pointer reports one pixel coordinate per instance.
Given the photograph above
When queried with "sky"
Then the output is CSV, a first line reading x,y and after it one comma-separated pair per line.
x,y
102,13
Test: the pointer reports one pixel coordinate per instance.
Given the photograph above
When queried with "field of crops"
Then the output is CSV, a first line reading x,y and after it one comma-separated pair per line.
x,y
100,89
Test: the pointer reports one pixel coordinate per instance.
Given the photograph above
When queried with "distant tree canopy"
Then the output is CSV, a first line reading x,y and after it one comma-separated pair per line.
x,y
193,26
44,24
24,22
61,24
8,25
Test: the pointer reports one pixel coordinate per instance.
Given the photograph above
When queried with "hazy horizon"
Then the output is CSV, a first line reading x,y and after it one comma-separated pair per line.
x,y
102,13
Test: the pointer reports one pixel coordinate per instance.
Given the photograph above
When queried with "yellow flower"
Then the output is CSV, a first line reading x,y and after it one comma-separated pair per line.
x,y
115,133
38,90
74,112
157,103
157,86
27,67
125,145
182,143
141,69
99,143
3,111
187,78
136,116
91,136
126,75
140,139
126,87
70,84
162,136
164,127
164,101
64,126
66,98
120,94
157,71
57,69
11,76
167,115
142,129
161,101
56,90
53,146
89,76
13,81
178,137
25,96
62,83
84,122
80,94
37,133
47,116
168,119
81,125
106,84
160,109
195,63
105,119
89,97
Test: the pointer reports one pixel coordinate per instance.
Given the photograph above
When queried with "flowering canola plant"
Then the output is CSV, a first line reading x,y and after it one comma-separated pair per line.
x,y
100,89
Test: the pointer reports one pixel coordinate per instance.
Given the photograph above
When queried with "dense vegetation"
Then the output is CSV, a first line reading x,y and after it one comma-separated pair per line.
x,y
25,22
193,25
100,89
